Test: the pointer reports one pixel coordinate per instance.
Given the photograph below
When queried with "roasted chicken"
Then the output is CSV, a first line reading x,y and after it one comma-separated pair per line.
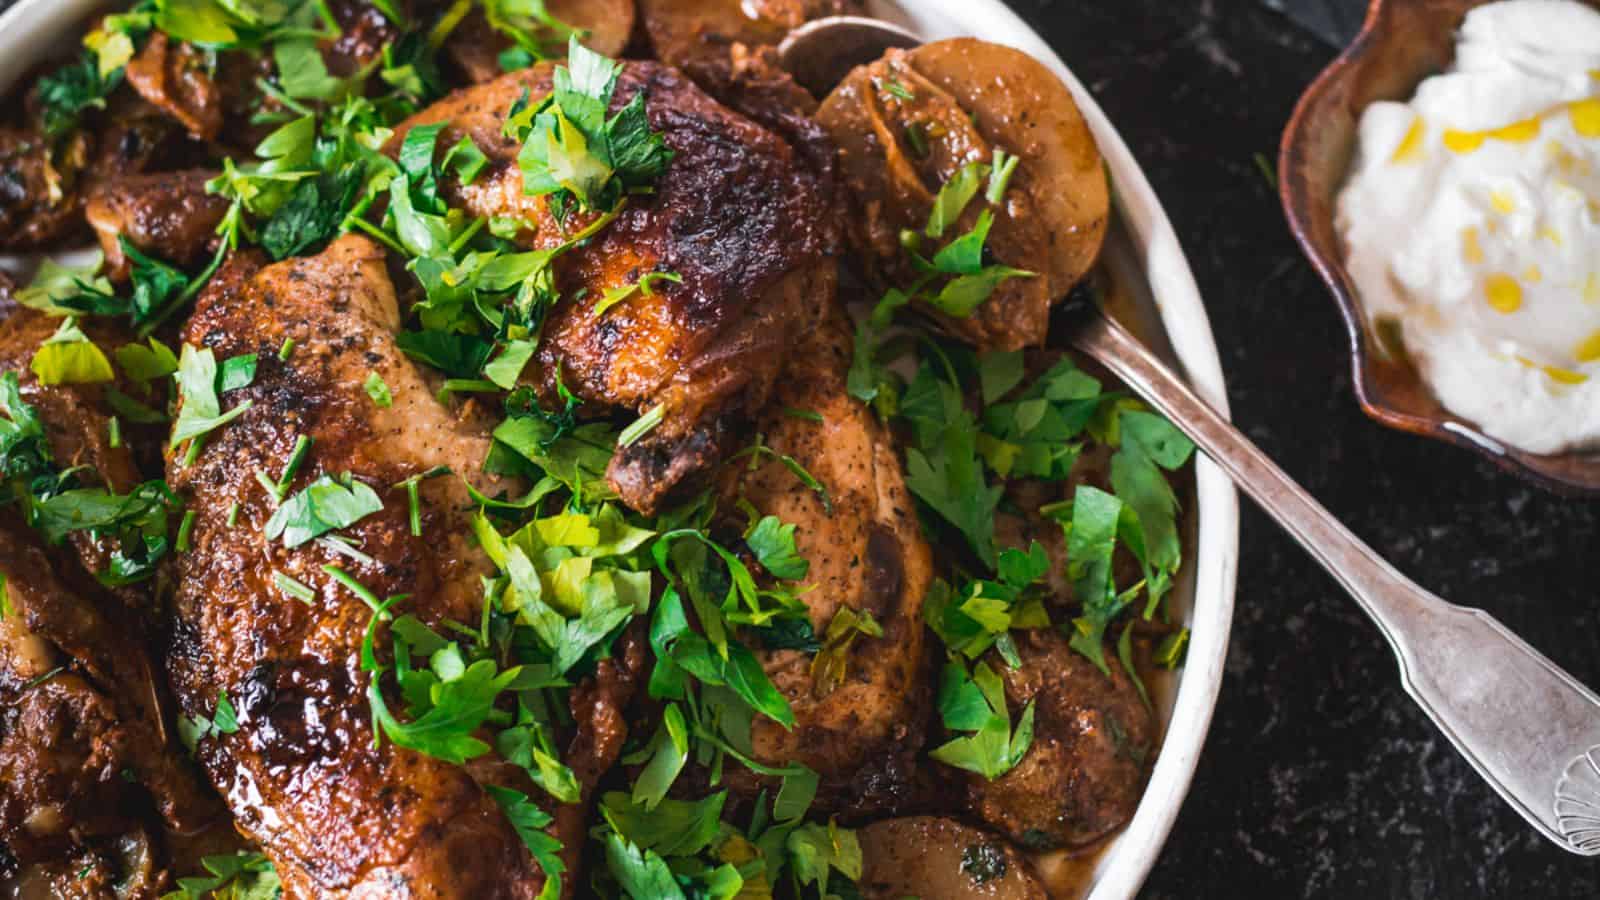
x,y
859,726
168,215
737,216
339,815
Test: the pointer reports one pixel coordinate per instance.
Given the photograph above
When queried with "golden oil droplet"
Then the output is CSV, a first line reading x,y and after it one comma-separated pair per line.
x,y
1564,376
1551,235
1463,142
1471,250
1517,132
1410,149
1588,349
1532,274
1502,202
1503,293
1591,289
1585,116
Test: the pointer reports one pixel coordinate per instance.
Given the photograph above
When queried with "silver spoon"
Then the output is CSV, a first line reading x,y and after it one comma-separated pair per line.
x,y
1530,729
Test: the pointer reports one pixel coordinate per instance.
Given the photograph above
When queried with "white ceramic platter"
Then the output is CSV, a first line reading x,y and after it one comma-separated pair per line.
x,y
1145,254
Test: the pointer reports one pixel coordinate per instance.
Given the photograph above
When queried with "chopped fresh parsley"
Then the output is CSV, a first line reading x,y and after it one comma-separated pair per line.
x,y
976,703
325,505
201,412
235,876
378,390
69,357
572,151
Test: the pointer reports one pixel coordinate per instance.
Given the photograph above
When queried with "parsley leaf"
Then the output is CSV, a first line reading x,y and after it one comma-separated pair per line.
x,y
236,876
313,215
69,357
323,506
571,150
772,542
529,821
67,93
201,412
977,703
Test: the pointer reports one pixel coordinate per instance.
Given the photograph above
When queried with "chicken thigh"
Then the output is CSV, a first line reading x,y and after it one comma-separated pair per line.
x,y
858,728
339,815
738,216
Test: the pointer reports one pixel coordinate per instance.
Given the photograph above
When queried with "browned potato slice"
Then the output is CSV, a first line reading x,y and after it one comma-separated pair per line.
x,y
1093,740
909,122
932,858
689,33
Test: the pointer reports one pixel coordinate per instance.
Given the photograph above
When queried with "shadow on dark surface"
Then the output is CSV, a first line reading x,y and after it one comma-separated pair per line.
x,y
1320,778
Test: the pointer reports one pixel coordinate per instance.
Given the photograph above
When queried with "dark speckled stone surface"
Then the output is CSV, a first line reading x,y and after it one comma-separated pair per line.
x,y
1320,779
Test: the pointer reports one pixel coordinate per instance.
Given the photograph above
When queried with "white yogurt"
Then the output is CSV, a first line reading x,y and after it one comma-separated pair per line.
x,y
1472,219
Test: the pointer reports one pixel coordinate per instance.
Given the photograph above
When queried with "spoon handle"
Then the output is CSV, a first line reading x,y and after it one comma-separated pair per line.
x,y
1530,729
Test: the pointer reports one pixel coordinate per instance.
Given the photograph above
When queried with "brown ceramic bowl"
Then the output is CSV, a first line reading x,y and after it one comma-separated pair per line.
x,y
1402,42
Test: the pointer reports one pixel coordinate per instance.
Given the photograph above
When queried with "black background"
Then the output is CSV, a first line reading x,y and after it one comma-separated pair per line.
x,y
1319,778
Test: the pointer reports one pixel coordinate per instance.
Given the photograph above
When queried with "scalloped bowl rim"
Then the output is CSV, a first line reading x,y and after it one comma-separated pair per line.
x,y
31,28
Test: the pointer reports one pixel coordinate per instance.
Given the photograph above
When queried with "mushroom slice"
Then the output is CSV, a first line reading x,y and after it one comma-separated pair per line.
x,y
934,858
911,122
1094,738
694,34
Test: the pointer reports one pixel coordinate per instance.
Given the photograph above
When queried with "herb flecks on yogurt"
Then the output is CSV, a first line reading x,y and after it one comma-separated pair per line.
x,y
1471,224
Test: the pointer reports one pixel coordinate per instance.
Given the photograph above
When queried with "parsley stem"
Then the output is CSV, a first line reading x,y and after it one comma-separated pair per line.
x,y
195,286
343,545
293,588
193,453
467,234
416,508
114,432
233,514
642,425
286,350
276,93
184,528
302,446
374,232
359,589
448,22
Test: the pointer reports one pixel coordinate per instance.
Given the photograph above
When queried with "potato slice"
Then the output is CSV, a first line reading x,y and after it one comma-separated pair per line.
x,y
909,122
934,858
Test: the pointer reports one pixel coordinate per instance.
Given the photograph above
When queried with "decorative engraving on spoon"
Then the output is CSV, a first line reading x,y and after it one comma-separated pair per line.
x,y
1578,802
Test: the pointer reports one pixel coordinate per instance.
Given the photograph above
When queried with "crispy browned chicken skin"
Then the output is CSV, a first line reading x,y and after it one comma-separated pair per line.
x,y
866,553
168,215
738,215
339,816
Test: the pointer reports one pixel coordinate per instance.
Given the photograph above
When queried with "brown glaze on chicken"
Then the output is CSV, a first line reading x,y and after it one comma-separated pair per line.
x,y
964,99
867,553
167,215
338,816
737,215
1093,738
90,776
